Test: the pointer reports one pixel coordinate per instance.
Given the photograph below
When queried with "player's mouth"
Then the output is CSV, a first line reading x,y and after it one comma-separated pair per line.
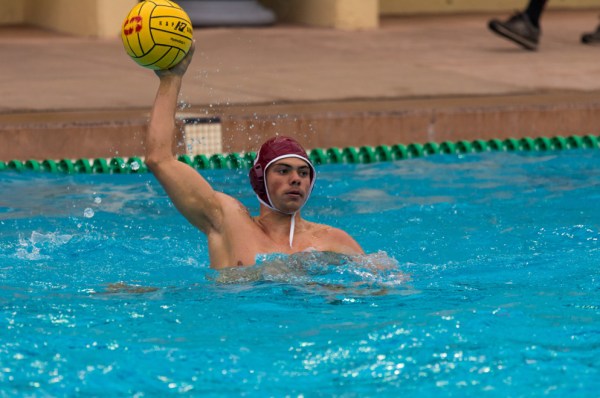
x,y
294,194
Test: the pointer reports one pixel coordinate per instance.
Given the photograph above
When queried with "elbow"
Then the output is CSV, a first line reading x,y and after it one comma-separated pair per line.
x,y
154,162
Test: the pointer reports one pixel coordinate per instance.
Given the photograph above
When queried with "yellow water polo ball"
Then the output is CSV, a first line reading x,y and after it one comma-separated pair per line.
x,y
157,34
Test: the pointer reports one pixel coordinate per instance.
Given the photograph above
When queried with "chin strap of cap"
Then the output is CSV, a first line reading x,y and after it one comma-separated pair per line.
x,y
292,228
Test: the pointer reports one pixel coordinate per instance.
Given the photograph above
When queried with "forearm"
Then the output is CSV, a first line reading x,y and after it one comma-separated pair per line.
x,y
161,129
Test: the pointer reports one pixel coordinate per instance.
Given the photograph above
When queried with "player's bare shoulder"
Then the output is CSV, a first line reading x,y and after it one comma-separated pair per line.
x,y
333,239
232,206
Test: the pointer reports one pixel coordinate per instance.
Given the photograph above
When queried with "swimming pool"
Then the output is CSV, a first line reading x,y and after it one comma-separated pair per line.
x,y
489,287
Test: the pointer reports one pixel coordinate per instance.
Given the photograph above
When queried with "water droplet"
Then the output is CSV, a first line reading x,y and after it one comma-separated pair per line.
x,y
135,165
97,200
88,213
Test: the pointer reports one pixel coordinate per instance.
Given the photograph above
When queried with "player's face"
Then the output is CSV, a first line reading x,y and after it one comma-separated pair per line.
x,y
288,181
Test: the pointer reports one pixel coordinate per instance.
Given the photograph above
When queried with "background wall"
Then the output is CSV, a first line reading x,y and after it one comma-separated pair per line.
x,y
12,12
97,18
103,18
342,14
64,15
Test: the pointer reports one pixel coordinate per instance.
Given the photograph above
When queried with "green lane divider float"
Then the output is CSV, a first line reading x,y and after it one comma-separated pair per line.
x,y
364,154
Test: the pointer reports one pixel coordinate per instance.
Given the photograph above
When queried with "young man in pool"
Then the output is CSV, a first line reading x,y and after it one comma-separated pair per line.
x,y
282,177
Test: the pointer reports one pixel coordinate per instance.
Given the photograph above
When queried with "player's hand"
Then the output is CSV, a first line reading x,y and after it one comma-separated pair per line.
x,y
181,67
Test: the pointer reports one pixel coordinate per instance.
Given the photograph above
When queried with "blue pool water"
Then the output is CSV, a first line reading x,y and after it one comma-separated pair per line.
x,y
482,280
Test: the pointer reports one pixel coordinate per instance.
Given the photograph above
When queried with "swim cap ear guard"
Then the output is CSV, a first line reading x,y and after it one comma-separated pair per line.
x,y
271,151
257,179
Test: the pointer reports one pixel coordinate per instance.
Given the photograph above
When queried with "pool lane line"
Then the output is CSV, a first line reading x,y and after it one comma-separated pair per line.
x,y
319,156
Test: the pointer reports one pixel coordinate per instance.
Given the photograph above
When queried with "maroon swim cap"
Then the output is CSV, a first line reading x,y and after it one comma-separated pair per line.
x,y
271,151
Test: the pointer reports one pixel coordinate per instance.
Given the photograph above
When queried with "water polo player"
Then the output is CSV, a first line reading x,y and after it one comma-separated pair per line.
x,y
282,177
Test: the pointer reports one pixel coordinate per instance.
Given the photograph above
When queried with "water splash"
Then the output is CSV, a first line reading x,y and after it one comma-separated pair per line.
x,y
88,212
336,271
33,247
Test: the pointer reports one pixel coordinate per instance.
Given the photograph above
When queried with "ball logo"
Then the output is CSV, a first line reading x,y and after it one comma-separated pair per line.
x,y
131,25
181,26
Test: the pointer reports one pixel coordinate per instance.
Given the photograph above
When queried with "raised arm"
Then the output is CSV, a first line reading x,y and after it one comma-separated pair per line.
x,y
191,194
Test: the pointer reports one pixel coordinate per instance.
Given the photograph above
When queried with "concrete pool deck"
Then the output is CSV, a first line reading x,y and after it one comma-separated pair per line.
x,y
417,79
